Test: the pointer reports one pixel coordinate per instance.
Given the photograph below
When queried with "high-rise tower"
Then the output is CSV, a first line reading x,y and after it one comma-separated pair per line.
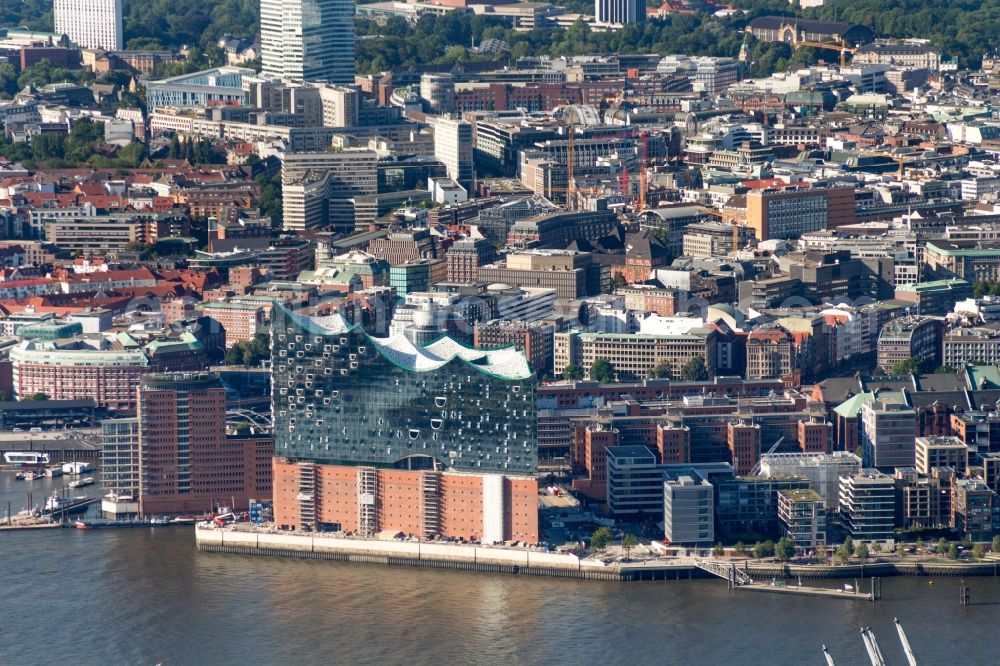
x,y
308,40
91,24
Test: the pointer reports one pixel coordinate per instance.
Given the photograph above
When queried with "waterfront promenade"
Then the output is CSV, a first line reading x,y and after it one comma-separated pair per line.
x,y
532,561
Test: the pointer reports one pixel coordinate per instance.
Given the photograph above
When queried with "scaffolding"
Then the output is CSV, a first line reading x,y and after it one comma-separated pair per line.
x,y
367,507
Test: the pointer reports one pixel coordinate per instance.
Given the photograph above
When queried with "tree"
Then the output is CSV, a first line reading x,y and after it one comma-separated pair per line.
x,y
919,543
42,73
985,288
910,366
942,546
996,544
784,549
861,552
270,196
979,551
174,150
629,541
849,545
953,551
618,281
602,371
661,370
740,548
695,370
37,397
8,80
761,550
47,146
600,539
718,550
249,352
572,371
85,135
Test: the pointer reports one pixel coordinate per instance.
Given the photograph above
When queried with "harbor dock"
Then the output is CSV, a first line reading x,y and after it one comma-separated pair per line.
x,y
830,593
28,526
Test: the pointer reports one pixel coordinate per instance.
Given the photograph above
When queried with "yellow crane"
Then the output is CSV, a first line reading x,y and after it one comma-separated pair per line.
x,y
832,46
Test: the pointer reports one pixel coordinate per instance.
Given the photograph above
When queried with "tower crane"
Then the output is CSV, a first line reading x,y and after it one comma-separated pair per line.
x,y
756,468
832,46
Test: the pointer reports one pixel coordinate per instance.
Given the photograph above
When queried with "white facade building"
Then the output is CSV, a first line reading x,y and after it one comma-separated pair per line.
x,y
91,24
453,146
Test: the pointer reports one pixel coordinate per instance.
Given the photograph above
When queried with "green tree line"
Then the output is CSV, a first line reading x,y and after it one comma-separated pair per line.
x,y
965,29
56,151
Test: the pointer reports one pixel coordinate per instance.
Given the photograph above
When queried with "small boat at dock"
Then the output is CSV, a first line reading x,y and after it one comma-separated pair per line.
x,y
80,483
64,505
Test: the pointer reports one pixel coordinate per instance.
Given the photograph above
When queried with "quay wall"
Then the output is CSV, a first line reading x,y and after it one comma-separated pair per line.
x,y
532,562
405,553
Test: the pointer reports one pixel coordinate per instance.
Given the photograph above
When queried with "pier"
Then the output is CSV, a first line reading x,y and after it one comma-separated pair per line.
x,y
740,579
827,592
28,526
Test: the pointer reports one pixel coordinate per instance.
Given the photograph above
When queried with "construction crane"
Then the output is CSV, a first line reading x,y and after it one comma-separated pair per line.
x,y
570,178
756,468
736,237
898,159
832,46
643,166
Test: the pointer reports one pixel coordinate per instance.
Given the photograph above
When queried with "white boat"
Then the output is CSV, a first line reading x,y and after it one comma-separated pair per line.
x,y
57,504
76,467
80,483
53,472
25,458
31,476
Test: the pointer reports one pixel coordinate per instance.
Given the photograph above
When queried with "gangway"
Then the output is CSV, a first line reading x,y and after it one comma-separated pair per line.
x,y
733,574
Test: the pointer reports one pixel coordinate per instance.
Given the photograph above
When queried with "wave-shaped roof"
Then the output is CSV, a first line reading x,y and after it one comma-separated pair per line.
x,y
506,362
